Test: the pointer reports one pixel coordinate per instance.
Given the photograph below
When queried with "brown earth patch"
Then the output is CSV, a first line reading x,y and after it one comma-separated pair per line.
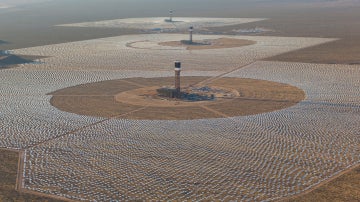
x,y
343,51
345,187
129,99
210,44
330,22
8,179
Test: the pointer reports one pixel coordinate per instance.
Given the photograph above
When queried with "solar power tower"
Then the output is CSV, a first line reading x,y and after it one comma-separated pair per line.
x,y
177,79
171,12
191,30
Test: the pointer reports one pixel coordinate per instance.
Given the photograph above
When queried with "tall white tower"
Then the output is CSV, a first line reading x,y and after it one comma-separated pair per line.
x,y
177,78
191,30
171,12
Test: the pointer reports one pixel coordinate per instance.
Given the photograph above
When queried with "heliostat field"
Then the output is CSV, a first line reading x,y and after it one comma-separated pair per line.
x,y
257,157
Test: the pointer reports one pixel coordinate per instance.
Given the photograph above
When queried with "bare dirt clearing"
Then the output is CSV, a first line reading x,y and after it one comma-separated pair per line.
x,y
210,44
8,174
331,22
111,98
345,187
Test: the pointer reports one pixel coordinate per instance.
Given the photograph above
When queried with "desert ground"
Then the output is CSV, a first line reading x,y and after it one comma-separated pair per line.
x,y
252,97
8,175
305,151
102,154
210,44
334,22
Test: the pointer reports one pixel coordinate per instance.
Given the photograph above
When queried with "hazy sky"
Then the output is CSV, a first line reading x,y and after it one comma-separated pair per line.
x,y
151,6
177,2
20,2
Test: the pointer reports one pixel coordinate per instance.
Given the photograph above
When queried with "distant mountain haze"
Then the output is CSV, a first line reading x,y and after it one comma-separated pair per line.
x,y
18,2
11,3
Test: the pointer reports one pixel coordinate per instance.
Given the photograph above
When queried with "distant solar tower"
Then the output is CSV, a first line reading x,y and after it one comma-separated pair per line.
x,y
177,79
171,12
191,30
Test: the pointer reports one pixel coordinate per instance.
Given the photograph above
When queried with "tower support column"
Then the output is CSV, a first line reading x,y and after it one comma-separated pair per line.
x,y
177,79
171,15
191,30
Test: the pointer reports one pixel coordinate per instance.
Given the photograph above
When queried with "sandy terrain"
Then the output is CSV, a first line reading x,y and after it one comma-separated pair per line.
x,y
338,52
101,99
8,175
210,44
258,157
345,187
333,22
